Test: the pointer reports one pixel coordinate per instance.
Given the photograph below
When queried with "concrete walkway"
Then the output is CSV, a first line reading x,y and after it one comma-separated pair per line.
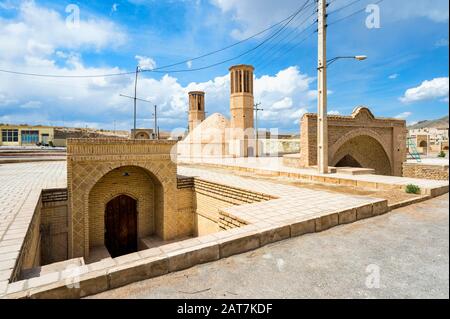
x,y
408,247
20,189
274,166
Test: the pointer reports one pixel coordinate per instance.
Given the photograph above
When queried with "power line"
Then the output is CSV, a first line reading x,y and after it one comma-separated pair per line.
x,y
352,14
281,48
160,69
293,29
238,56
234,44
264,66
343,7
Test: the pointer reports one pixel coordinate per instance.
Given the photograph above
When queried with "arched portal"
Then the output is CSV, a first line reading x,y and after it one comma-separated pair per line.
x,y
423,144
135,198
142,136
348,161
363,151
121,226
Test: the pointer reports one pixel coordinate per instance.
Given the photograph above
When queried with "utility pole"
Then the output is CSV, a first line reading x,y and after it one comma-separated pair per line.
x,y
322,123
135,98
255,107
155,114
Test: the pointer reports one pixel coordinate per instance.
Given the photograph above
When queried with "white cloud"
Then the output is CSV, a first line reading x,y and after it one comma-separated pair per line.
x,y
145,62
441,43
403,115
333,112
285,103
297,115
31,105
428,90
35,42
38,32
393,76
436,10
114,7
252,16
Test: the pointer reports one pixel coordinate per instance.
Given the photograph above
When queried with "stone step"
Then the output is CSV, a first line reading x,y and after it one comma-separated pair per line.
x,y
51,268
355,171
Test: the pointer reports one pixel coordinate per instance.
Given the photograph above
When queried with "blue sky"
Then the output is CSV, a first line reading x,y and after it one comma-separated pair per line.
x,y
405,76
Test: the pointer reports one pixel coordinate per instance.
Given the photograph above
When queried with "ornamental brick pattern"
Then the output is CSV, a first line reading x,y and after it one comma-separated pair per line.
x,y
88,160
378,143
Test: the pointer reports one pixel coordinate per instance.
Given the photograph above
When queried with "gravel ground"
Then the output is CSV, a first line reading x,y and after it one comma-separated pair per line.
x,y
406,249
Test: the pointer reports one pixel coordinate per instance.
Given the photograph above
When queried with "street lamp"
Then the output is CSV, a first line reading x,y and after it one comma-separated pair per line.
x,y
322,123
356,57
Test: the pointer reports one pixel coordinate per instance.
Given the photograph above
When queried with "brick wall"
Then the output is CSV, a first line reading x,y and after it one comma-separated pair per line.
x,y
54,226
418,170
211,198
30,252
351,135
89,160
131,181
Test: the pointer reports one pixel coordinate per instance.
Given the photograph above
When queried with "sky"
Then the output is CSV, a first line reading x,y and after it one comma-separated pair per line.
x,y
405,75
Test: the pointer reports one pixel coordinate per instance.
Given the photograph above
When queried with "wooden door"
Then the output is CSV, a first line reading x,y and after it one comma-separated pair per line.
x,y
121,226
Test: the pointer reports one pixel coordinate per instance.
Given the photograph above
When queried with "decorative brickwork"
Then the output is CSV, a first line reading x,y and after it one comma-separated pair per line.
x,y
419,170
89,160
378,143
54,226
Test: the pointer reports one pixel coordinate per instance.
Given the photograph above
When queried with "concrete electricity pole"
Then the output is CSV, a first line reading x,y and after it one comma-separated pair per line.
x,y
256,126
135,98
155,114
322,124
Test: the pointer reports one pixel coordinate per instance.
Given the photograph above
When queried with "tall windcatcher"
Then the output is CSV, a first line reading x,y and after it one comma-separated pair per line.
x,y
196,109
241,109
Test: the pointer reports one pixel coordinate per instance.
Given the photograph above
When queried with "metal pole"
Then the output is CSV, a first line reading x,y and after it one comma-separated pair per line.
x,y
135,100
256,126
156,124
322,125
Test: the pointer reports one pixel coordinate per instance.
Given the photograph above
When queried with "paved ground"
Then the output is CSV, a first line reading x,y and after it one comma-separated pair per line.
x,y
431,161
20,189
409,246
269,165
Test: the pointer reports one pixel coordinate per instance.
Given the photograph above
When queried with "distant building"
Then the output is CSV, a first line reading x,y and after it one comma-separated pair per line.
x,y
430,139
143,134
25,135
436,135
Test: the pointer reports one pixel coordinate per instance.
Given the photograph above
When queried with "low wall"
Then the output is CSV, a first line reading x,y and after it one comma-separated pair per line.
x,y
54,226
211,198
425,171
279,146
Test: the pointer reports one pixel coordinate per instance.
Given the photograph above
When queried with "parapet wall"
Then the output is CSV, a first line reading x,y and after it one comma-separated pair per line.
x,y
419,170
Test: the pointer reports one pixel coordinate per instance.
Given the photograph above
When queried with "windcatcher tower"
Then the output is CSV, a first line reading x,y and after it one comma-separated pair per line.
x,y
196,109
241,109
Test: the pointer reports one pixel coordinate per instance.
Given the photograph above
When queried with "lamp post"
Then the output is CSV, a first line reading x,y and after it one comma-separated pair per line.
x,y
356,57
322,123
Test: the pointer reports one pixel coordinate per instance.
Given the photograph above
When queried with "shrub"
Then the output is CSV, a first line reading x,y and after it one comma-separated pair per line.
x,y
412,189
441,154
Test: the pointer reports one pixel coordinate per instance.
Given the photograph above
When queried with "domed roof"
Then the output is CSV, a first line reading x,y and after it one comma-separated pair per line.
x,y
210,130
215,120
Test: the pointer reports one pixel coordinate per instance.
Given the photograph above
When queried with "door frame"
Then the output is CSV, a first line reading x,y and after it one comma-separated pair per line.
x,y
136,217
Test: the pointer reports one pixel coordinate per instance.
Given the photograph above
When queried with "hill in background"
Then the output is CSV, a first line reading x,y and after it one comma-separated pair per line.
x,y
439,123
